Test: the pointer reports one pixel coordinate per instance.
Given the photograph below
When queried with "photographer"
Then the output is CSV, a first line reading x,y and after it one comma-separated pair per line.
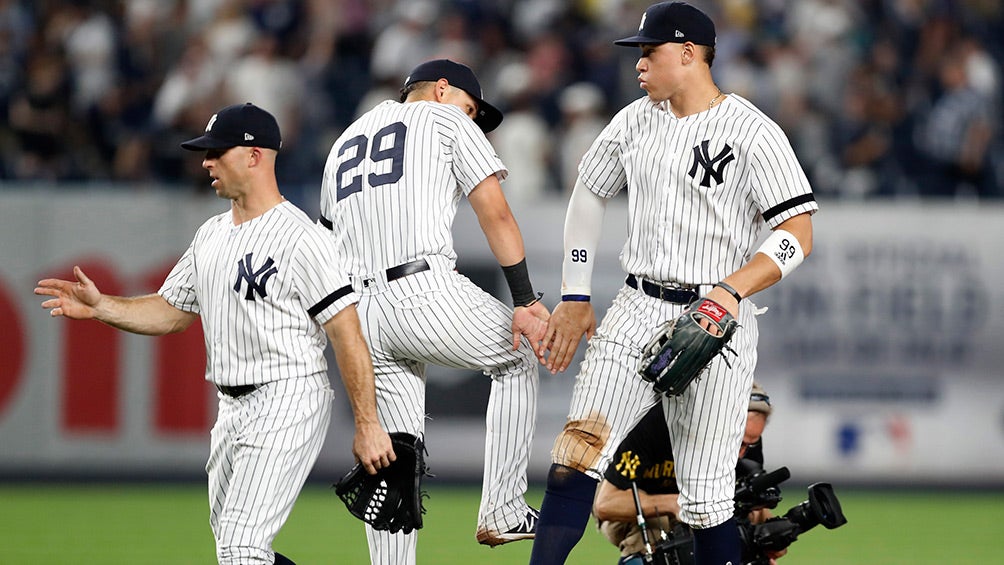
x,y
645,457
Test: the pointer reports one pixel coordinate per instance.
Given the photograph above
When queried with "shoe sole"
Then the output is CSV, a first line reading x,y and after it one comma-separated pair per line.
x,y
484,538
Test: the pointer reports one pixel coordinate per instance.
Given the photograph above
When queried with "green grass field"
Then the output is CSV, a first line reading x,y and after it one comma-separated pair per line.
x,y
151,524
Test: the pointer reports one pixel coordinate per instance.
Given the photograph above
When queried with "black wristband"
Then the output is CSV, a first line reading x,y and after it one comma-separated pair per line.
x,y
518,279
727,288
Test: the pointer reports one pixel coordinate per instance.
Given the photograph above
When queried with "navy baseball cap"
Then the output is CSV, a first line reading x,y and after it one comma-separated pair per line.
x,y
238,125
672,22
461,76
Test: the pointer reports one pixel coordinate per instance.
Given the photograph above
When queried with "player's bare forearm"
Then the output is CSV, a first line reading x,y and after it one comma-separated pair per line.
x,y
761,272
531,321
618,505
568,323
81,300
371,446
354,363
497,222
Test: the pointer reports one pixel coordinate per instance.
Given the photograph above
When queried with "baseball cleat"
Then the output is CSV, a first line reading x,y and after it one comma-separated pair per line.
x,y
526,529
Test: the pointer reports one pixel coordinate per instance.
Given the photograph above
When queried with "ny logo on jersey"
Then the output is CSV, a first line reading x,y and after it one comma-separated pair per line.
x,y
713,167
256,279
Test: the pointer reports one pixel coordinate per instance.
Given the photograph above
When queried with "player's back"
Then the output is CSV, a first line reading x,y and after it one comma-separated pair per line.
x,y
393,180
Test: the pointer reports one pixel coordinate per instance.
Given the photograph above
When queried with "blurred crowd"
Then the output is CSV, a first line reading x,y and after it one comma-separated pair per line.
x,y
880,98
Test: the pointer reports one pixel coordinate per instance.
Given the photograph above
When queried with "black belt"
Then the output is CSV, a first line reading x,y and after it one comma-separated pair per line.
x,y
238,390
405,269
675,295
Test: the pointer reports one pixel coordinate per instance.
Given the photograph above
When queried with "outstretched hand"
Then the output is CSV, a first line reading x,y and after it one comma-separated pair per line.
x,y
75,300
568,323
530,321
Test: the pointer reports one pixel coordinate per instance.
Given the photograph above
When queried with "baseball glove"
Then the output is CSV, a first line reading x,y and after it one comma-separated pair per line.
x,y
682,347
392,498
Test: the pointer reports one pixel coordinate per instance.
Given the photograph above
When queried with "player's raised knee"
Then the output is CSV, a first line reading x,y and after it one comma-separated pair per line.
x,y
580,443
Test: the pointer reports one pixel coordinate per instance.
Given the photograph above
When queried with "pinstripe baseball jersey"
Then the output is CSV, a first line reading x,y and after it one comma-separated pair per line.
x,y
700,187
262,288
392,185
415,161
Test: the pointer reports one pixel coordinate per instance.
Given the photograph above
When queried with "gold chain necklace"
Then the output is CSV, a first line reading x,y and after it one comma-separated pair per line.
x,y
715,99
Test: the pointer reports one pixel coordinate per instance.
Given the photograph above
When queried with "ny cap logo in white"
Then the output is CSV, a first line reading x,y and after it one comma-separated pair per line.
x,y
642,24
212,121
679,33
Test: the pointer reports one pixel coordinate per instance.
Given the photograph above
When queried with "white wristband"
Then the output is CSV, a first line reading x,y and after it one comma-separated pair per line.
x,y
783,248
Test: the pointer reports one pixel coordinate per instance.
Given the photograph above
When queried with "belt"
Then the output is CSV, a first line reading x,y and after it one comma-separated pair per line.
x,y
238,390
674,295
405,269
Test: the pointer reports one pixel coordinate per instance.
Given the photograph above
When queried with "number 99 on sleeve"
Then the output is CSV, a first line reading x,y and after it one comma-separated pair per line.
x,y
580,256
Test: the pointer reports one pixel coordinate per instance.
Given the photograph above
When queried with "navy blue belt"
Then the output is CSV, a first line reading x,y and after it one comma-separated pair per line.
x,y
405,269
238,390
674,295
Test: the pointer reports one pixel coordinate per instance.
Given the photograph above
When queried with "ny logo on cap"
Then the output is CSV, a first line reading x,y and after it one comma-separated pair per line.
x,y
212,121
641,26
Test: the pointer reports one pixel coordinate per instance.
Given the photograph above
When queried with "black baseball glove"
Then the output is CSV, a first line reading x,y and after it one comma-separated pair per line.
x,y
683,347
392,498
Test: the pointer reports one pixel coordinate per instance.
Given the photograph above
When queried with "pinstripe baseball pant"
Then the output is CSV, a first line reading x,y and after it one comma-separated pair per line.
x,y
705,423
263,446
440,317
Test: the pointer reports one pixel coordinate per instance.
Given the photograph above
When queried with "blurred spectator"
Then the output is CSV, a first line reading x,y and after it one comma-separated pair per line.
x,y
186,96
15,34
228,35
88,38
582,119
455,40
955,135
39,116
404,42
272,81
549,63
523,141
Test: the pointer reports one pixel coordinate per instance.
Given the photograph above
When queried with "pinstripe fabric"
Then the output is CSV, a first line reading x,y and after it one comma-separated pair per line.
x,y
701,189
262,449
270,337
262,289
441,317
433,317
679,230
444,156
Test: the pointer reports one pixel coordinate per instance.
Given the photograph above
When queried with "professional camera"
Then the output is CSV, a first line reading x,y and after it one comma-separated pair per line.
x,y
756,489
676,547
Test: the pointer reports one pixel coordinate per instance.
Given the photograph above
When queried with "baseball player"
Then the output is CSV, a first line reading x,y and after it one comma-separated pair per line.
x,y
266,284
705,171
391,188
